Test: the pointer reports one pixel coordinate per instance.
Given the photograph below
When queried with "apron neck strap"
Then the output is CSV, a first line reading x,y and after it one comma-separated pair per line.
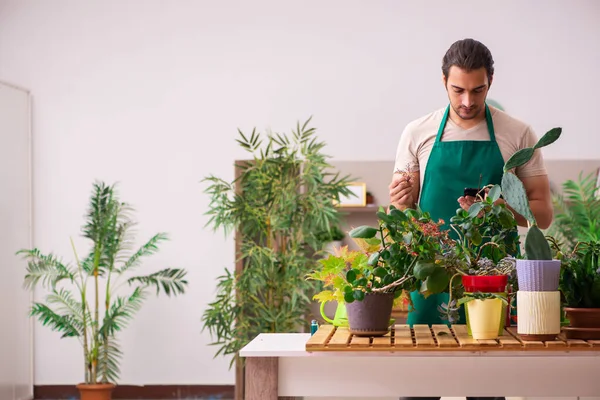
x,y
488,120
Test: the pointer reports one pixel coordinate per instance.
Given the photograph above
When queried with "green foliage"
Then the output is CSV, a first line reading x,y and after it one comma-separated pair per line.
x,y
516,196
334,233
580,276
577,212
486,231
280,202
72,305
410,244
481,296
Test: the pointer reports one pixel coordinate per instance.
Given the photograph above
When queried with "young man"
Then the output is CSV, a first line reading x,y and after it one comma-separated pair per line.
x,y
463,145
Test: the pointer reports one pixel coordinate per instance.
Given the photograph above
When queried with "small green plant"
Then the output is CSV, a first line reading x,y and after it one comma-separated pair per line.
x,y
74,305
481,296
536,245
580,276
334,233
487,231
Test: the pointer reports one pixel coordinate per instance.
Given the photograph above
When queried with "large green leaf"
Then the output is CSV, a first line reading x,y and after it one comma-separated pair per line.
x,y
550,137
363,232
437,282
536,245
516,196
521,157
423,269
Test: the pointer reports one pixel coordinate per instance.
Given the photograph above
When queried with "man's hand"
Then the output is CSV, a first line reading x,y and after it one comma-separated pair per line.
x,y
540,201
404,190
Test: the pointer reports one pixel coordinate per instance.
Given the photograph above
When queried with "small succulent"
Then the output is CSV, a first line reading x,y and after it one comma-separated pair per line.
x,y
449,312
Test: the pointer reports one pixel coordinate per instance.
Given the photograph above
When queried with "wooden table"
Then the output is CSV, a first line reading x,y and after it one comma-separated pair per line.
x,y
418,361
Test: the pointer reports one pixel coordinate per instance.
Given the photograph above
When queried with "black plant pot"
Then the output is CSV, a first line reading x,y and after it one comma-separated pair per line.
x,y
370,317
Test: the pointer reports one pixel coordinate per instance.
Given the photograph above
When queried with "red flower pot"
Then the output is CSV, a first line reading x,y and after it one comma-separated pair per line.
x,y
485,284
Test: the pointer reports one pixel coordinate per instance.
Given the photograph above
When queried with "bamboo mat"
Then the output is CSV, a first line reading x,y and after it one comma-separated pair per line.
x,y
403,338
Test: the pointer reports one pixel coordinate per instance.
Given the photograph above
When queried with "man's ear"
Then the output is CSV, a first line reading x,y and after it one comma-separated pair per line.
x,y
444,81
490,82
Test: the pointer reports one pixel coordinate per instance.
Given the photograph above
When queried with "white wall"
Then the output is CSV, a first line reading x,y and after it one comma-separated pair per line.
x,y
150,93
15,233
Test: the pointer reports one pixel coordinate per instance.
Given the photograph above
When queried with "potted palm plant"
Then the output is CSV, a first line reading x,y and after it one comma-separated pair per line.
x,y
88,299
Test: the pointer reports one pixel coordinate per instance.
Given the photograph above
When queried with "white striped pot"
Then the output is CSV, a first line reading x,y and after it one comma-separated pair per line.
x,y
539,315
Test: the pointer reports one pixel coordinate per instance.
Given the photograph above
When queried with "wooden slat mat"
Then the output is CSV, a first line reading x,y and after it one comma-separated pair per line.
x,y
438,337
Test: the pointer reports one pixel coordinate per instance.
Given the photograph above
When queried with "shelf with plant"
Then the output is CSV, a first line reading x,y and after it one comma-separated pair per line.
x,y
89,300
402,251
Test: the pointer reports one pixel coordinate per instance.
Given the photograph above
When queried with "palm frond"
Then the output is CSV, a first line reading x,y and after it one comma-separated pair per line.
x,y
45,268
108,361
577,212
121,312
169,279
59,323
148,249
70,308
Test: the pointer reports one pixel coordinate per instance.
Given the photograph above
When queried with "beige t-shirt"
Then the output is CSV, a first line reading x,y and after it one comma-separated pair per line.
x,y
512,135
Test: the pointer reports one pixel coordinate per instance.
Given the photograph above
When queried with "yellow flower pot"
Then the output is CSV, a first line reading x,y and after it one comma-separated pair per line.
x,y
484,317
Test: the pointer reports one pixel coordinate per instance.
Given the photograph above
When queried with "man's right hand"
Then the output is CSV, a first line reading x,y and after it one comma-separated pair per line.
x,y
402,193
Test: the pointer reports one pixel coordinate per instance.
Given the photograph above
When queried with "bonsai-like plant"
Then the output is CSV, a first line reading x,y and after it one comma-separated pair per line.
x,y
283,197
403,250
75,306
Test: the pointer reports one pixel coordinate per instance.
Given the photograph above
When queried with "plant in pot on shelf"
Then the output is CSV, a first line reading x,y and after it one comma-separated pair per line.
x,y
483,257
580,288
331,238
537,274
404,248
89,300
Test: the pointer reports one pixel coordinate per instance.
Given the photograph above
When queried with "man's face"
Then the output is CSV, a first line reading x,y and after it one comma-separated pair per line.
x,y
467,91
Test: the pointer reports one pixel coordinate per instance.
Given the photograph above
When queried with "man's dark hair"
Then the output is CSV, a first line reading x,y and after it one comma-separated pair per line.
x,y
468,54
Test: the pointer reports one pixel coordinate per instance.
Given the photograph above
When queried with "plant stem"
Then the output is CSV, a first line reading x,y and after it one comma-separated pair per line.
x,y
84,312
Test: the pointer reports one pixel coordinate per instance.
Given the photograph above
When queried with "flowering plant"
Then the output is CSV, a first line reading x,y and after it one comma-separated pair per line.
x,y
402,253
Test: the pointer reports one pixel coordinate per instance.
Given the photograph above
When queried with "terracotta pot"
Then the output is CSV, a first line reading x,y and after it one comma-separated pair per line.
x,y
99,391
370,317
584,323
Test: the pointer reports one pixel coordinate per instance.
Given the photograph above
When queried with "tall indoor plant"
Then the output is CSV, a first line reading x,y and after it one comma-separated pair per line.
x,y
538,274
86,299
277,205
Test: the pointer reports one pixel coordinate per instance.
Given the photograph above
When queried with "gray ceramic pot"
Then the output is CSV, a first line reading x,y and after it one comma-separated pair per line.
x,y
370,317
538,275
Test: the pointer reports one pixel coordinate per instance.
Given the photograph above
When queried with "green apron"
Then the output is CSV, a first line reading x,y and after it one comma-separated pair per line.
x,y
453,166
